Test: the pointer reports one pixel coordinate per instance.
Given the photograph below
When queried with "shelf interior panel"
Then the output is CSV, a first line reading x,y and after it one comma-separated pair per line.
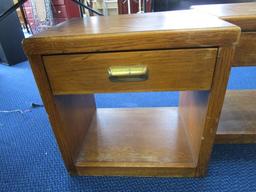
x,y
138,137
238,118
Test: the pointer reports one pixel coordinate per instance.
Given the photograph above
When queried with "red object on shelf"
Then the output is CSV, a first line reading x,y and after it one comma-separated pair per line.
x,y
28,11
64,9
123,6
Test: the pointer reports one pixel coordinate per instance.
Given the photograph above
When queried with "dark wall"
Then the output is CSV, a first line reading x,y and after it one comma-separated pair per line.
x,y
165,5
11,36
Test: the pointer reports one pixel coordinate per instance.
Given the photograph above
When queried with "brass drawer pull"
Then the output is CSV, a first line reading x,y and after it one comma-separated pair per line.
x,y
128,73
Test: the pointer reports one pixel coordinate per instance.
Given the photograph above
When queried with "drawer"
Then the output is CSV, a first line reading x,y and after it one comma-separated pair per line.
x,y
246,50
58,2
188,69
60,11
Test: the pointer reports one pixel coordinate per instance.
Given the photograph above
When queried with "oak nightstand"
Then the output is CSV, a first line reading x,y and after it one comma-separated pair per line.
x,y
169,51
238,118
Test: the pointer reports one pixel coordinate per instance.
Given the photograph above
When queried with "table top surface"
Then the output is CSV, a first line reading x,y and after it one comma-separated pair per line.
x,y
173,29
240,14
232,10
172,20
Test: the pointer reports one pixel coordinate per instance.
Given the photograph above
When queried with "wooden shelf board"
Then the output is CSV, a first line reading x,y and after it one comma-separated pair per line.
x,y
126,141
238,118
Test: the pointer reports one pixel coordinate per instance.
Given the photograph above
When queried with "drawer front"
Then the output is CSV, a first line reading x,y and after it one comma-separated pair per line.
x,y
188,69
60,12
246,50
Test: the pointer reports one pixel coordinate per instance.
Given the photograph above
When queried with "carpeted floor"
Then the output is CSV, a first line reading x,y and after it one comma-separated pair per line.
x,y
30,159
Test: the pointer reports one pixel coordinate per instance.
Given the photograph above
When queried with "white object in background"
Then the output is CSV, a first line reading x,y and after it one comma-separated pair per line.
x,y
129,6
139,11
40,9
105,7
108,7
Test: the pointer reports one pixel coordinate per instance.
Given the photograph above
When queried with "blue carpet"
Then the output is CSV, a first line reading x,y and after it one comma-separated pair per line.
x,y
30,159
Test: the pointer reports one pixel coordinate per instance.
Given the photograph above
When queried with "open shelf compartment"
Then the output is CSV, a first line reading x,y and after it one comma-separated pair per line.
x,y
159,141
140,137
237,122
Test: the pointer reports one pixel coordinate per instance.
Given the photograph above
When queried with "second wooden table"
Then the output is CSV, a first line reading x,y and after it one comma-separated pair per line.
x,y
238,119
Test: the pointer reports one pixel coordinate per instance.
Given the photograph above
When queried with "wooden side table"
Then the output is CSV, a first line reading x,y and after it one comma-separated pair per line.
x,y
169,51
238,119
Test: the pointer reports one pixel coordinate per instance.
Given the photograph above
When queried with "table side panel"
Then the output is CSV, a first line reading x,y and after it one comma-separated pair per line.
x,y
214,106
192,110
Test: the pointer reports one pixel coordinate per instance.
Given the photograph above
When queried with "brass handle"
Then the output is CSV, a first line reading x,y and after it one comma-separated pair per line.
x,y
128,73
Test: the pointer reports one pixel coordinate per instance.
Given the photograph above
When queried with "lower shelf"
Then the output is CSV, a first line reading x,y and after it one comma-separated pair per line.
x,y
145,141
238,118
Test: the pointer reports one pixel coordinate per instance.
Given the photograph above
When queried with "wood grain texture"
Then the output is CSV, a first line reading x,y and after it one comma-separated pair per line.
x,y
238,118
192,110
135,138
244,16
177,29
240,14
153,142
68,127
187,69
137,171
76,113
48,99
215,103
246,50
